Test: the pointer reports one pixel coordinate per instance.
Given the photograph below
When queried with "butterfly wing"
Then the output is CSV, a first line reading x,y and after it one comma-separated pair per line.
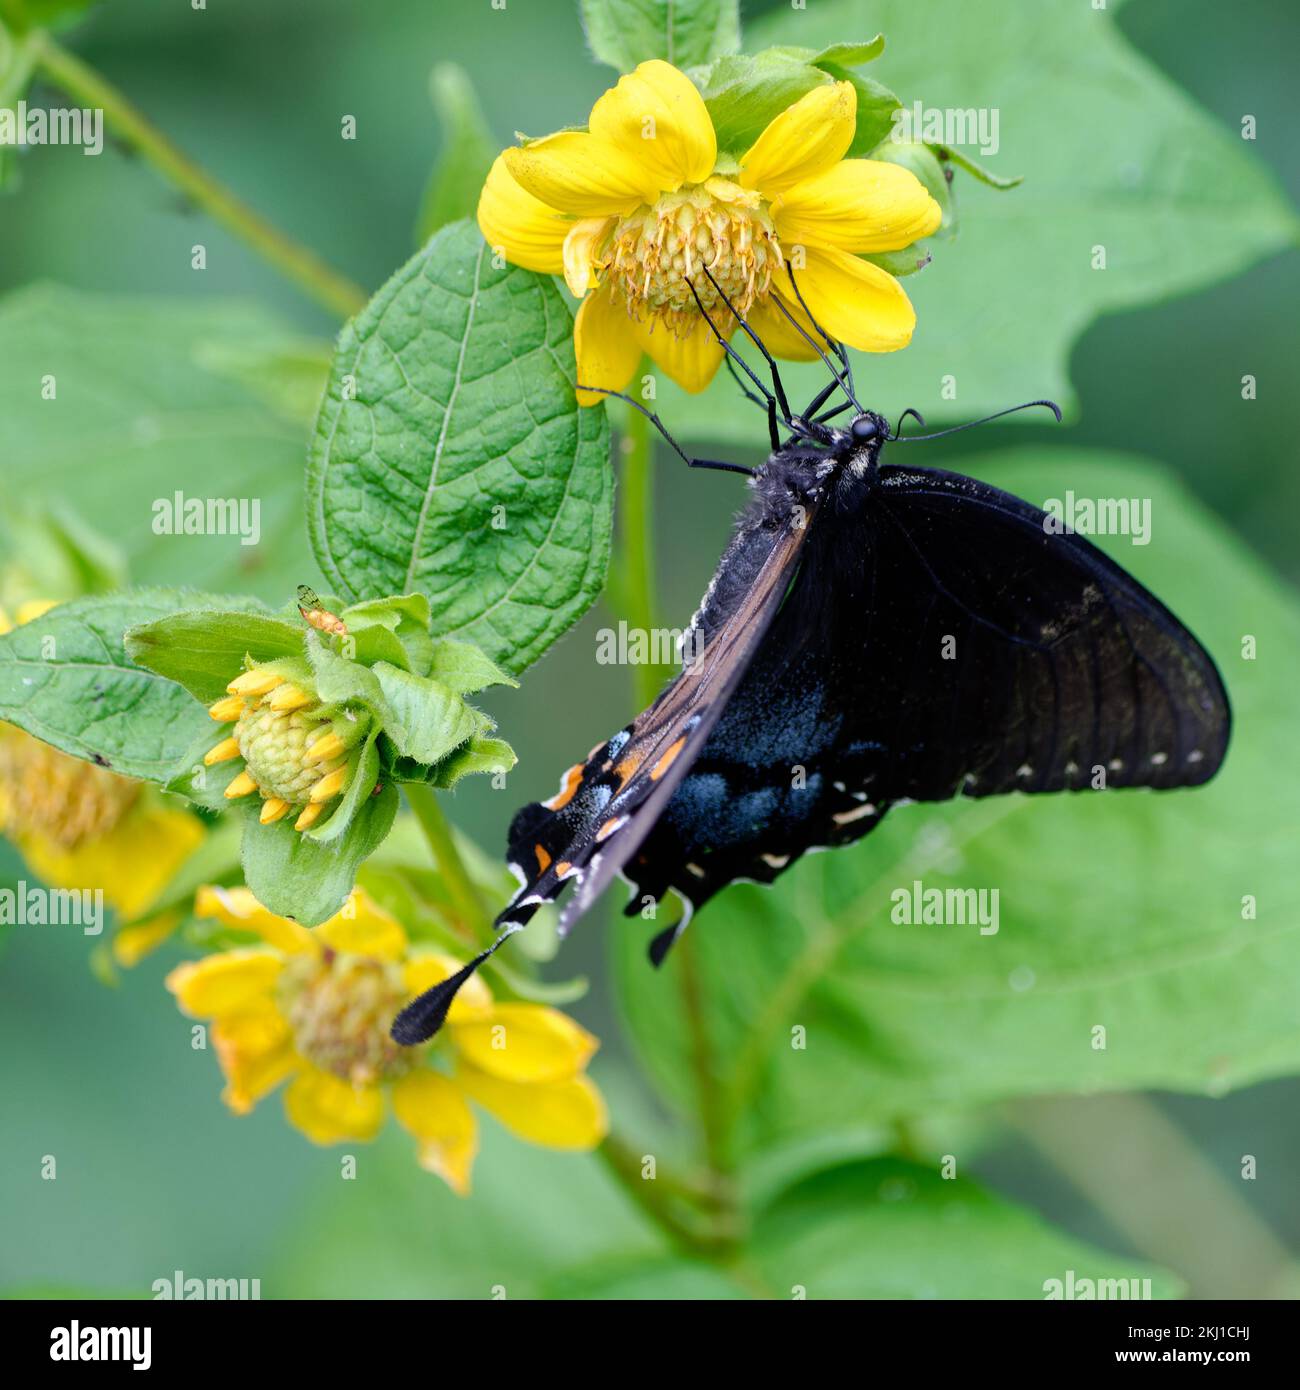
x,y
608,804
941,639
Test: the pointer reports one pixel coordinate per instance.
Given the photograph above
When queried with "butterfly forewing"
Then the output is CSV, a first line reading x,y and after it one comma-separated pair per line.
x,y
607,805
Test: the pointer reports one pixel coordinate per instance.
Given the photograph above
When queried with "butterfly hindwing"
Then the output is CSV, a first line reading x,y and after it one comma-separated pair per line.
x,y
941,639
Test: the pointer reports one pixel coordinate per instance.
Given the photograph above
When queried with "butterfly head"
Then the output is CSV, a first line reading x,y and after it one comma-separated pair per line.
x,y
869,428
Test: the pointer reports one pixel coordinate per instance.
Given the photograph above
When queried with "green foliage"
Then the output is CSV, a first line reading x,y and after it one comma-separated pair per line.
x,y
624,33
890,1229
1123,909
67,679
451,456
468,149
148,404
1176,201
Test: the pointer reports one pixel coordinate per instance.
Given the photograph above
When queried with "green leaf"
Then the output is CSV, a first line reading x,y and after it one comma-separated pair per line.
x,y
297,876
461,667
287,374
138,417
51,553
1113,154
1123,909
463,468
624,33
478,755
890,1229
468,149
744,93
66,678
406,617
204,649
426,721
363,773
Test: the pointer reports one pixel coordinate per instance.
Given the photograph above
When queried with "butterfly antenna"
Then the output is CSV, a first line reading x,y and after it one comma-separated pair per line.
x,y
898,424
713,464
970,424
424,1015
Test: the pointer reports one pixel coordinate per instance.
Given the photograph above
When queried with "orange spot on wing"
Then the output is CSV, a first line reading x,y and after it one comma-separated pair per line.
x,y
572,781
562,868
667,759
629,766
609,828
543,859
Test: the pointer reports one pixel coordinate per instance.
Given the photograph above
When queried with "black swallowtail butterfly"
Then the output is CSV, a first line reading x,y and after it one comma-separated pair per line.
x,y
899,634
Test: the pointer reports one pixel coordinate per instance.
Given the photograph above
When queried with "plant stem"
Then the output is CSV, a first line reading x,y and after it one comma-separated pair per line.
x,y
86,86
438,832
652,1196
635,580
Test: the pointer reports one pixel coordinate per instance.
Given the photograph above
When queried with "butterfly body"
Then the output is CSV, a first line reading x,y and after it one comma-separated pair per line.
x,y
874,634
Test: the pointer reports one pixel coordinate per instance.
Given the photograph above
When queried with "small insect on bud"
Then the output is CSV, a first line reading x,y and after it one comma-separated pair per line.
x,y
320,618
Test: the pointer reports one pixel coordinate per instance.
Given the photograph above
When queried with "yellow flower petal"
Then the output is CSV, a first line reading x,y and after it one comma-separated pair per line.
x,y
607,345
857,205
561,1115
362,928
133,863
133,943
581,174
255,1050
525,1042
691,360
329,1110
804,140
853,300
583,238
658,117
428,968
227,983
238,908
780,335
431,1107
524,229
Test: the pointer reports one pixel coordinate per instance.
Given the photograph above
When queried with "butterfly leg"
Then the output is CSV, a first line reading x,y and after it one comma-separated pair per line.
x,y
692,462
769,405
834,344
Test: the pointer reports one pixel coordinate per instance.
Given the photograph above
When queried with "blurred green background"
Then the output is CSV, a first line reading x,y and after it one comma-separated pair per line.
x,y
154,1175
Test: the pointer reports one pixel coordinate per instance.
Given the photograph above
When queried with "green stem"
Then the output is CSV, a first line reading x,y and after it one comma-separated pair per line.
x,y
653,1196
86,86
634,583
442,841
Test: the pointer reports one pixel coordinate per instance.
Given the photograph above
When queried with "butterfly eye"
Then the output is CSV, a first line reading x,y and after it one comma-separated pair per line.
x,y
863,429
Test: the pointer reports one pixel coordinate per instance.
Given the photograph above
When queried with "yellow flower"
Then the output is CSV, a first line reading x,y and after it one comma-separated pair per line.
x,y
313,1008
634,207
294,749
82,826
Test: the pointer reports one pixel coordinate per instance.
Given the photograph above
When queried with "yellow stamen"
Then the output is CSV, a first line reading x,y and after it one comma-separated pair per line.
x,y
329,785
273,809
326,747
227,709
241,786
289,697
223,752
310,815
255,682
